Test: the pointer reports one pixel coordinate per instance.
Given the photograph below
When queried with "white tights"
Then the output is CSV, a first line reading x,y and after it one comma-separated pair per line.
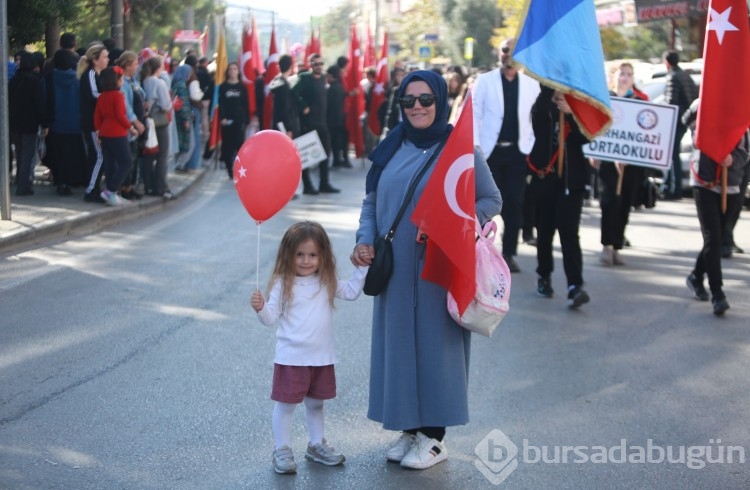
x,y
281,421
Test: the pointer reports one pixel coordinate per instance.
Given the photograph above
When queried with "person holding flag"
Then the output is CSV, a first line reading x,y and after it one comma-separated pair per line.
x,y
722,118
419,362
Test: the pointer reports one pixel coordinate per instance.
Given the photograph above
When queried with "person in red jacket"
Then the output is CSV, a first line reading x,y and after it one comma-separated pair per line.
x,y
114,127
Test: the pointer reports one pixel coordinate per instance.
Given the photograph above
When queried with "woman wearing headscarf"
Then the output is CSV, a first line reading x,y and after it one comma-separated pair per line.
x,y
419,363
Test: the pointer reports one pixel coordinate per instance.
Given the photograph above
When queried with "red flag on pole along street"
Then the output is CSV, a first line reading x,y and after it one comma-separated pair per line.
x,y
355,103
221,68
369,59
724,111
249,63
378,91
271,71
446,213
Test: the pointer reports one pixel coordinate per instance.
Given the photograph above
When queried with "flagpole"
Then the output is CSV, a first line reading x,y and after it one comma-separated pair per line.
x,y
724,190
561,145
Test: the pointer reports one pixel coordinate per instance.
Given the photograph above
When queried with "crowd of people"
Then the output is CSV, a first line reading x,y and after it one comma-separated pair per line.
x,y
99,113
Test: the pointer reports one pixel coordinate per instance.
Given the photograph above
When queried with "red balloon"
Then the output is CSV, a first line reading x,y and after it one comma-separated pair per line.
x,y
266,173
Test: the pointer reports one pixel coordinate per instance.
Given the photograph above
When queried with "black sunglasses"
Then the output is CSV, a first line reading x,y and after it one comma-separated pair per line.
x,y
505,50
408,101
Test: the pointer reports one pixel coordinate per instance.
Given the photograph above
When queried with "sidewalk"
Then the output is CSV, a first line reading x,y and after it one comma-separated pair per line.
x,y
47,215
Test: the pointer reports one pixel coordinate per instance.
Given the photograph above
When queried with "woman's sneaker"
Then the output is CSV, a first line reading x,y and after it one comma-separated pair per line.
x,y
324,453
425,453
283,460
399,448
111,198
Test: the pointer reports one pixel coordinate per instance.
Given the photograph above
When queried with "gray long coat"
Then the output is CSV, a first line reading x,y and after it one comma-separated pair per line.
x,y
419,363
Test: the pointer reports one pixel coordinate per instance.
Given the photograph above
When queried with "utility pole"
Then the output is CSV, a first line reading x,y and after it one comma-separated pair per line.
x,y
4,140
116,28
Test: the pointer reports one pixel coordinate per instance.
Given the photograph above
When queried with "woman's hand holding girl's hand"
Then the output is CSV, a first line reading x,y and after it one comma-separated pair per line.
x,y
362,255
257,301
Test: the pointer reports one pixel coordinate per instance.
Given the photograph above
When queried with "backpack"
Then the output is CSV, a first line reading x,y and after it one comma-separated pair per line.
x,y
490,303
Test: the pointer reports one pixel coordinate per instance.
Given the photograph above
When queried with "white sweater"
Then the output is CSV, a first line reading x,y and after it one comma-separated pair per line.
x,y
304,336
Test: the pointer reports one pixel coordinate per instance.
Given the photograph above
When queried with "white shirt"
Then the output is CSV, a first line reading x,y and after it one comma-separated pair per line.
x,y
304,336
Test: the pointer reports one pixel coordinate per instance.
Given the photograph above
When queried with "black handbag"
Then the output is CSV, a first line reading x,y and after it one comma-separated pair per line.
x,y
381,268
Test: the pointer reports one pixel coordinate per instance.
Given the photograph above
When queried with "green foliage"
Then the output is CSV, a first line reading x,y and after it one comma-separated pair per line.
x,y
423,18
27,19
477,19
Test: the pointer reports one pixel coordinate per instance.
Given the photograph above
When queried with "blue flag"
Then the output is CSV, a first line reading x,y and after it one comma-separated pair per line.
x,y
558,43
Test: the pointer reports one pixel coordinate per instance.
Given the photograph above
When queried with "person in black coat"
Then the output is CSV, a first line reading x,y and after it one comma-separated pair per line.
x,y
336,117
311,90
234,116
27,112
558,202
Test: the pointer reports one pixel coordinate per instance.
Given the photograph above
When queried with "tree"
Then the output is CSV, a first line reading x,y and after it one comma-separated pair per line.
x,y
423,18
28,19
477,19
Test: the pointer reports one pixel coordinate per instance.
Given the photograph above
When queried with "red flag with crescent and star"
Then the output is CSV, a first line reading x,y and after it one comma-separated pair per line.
x,y
378,91
250,62
724,111
446,214
271,71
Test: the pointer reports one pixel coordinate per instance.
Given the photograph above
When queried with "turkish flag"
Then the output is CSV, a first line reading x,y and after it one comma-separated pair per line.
x,y
251,63
378,91
724,111
271,71
354,104
446,213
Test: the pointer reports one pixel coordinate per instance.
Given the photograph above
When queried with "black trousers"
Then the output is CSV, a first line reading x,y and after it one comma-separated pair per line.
x,y
557,209
708,262
325,139
508,167
338,144
616,209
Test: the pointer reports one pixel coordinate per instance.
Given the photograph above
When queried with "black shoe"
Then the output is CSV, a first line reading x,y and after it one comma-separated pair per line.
x,y
544,288
696,286
512,264
64,190
328,189
312,191
346,164
726,252
720,305
577,297
530,240
93,197
25,192
737,249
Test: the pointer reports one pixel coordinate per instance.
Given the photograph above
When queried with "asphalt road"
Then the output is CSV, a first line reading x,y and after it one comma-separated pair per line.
x,y
130,359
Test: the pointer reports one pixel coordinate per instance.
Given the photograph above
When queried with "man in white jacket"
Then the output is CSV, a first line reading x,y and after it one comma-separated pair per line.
x,y
502,102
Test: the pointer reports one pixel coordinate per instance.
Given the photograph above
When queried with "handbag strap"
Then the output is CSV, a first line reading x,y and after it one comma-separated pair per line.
x,y
410,192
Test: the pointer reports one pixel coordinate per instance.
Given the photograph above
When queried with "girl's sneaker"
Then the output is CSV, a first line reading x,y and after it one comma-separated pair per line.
x,y
283,460
399,448
324,453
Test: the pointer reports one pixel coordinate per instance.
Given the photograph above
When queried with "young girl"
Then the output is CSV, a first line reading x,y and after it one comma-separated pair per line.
x,y
114,127
300,297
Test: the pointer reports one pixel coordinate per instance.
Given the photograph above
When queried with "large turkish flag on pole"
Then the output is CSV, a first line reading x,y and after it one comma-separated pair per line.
x,y
354,104
378,91
271,71
446,213
724,111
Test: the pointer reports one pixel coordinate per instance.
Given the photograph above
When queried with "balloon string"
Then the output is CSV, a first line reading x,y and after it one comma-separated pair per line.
x,y
257,260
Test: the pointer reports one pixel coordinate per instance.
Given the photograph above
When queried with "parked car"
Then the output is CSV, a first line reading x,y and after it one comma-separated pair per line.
x,y
655,89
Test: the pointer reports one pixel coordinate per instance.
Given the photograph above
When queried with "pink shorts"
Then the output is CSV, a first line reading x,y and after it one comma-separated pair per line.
x,y
291,384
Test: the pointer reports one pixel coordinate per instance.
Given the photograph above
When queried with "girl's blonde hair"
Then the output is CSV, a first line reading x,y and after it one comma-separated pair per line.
x,y
285,270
